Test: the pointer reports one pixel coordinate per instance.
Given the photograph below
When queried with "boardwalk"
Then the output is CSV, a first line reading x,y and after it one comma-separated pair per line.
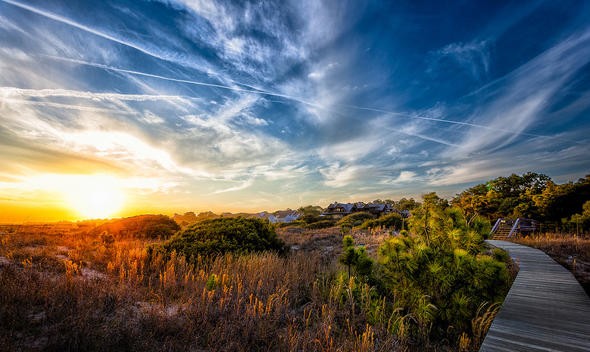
x,y
545,310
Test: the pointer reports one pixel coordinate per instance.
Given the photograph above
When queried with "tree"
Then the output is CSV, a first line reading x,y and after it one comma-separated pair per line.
x,y
310,213
406,204
440,274
512,196
355,257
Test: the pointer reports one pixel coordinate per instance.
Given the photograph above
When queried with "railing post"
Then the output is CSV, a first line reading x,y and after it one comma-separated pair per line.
x,y
514,227
496,225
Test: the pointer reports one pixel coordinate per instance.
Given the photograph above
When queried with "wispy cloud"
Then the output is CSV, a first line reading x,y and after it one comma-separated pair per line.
x,y
287,102
522,101
473,57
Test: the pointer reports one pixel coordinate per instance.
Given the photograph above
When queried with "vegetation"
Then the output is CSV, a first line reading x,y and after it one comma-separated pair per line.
x,y
142,226
322,224
441,275
223,235
530,195
354,219
391,221
64,287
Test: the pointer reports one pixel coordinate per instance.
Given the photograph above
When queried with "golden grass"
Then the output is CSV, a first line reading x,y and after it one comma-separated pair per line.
x,y
62,289
65,290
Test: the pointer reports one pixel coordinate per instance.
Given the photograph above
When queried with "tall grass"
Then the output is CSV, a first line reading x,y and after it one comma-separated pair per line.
x,y
70,291
142,302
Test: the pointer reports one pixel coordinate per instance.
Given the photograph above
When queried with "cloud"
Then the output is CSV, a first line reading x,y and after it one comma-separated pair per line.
x,y
473,57
525,95
339,175
404,177
240,187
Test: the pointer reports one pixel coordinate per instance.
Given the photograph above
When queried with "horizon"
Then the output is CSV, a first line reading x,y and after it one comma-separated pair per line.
x,y
125,108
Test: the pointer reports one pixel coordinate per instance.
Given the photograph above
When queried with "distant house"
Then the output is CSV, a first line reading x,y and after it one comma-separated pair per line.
x,y
342,209
403,213
281,216
339,209
378,208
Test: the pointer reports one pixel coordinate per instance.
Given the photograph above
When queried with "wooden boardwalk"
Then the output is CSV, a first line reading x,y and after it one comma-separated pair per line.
x,y
546,309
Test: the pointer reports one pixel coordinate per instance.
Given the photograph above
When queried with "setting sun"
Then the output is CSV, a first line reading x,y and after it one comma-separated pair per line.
x,y
96,203
94,197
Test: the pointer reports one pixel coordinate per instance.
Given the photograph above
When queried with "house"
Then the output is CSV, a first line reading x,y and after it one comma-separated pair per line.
x,y
286,216
281,216
342,209
339,209
378,208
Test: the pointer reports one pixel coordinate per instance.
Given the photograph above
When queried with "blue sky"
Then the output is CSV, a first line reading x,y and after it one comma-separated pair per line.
x,y
243,105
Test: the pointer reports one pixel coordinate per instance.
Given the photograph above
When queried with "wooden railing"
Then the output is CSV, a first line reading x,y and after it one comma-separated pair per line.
x,y
509,227
514,227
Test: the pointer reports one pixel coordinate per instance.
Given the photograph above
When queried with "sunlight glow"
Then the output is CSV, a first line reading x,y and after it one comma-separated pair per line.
x,y
89,196
94,196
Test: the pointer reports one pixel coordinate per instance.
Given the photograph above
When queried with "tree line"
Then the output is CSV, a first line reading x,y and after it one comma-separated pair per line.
x,y
559,207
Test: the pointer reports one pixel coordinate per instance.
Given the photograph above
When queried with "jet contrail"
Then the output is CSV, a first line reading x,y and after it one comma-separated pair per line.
x,y
161,56
251,89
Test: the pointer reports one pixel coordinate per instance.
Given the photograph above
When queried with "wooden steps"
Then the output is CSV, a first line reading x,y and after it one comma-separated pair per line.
x,y
502,232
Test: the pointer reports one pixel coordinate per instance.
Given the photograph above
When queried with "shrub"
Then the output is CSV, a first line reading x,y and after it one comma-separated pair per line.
x,y
217,236
322,224
393,220
142,226
439,275
355,219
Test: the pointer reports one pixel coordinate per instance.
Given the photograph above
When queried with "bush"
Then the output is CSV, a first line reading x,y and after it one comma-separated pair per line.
x,y
439,275
142,226
217,236
393,220
355,219
322,224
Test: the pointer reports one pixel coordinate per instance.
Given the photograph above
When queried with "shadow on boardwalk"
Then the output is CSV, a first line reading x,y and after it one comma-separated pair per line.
x,y
545,310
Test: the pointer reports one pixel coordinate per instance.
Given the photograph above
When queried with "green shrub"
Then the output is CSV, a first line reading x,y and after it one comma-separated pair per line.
x,y
142,226
322,224
439,275
355,219
217,236
392,221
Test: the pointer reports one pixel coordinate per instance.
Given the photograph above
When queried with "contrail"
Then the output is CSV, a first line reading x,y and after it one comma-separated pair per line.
x,y
180,80
251,89
453,122
280,95
67,106
85,28
70,22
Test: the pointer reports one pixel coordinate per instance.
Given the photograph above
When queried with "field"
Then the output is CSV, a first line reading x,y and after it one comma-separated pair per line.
x,y
573,252
65,288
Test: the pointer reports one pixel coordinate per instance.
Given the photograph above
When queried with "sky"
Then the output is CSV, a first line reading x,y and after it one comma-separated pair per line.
x,y
179,105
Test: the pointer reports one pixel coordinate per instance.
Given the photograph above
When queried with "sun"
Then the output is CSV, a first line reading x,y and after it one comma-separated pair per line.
x,y
94,197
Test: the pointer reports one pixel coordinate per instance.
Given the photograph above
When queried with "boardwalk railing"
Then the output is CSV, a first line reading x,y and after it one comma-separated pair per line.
x,y
514,227
496,225
506,228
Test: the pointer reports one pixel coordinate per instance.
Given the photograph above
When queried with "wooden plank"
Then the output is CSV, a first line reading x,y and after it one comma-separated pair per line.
x,y
546,309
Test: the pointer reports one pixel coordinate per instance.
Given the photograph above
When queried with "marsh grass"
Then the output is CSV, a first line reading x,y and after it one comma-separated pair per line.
x,y
263,302
63,289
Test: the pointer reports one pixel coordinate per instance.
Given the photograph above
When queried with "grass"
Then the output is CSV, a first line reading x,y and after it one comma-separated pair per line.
x,y
572,252
65,289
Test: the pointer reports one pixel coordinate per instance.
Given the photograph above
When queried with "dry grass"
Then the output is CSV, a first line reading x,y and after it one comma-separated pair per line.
x,y
62,289
573,252
65,290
